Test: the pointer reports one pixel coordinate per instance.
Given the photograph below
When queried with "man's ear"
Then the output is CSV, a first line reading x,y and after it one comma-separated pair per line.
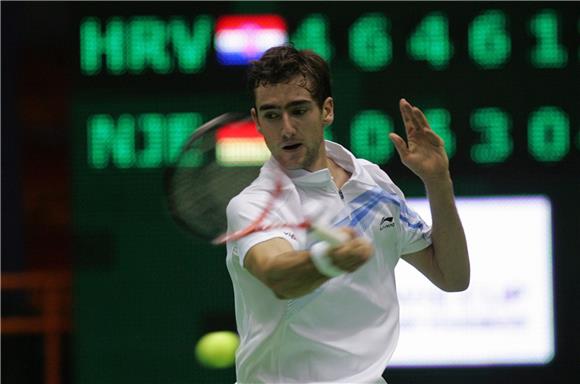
x,y
328,111
255,119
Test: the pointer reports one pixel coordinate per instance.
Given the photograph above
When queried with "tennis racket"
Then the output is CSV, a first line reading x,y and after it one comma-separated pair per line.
x,y
220,159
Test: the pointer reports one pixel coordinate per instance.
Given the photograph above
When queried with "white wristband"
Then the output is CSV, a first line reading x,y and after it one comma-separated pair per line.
x,y
321,260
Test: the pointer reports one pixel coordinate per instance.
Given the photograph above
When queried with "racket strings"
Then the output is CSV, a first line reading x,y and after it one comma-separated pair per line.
x,y
201,195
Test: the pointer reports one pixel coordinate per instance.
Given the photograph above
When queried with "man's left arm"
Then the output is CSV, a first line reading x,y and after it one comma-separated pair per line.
x,y
446,261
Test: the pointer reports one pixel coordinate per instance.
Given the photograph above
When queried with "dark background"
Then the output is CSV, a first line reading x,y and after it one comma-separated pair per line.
x,y
143,291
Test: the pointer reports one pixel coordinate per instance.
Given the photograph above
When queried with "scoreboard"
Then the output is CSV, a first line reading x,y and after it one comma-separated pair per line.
x,y
499,82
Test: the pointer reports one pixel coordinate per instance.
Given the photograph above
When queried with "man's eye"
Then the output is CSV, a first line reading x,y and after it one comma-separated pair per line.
x,y
271,115
299,111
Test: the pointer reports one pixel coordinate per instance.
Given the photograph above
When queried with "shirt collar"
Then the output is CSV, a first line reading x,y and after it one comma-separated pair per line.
x,y
304,178
346,160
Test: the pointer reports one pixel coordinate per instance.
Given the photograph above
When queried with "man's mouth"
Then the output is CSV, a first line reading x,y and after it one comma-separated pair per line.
x,y
291,146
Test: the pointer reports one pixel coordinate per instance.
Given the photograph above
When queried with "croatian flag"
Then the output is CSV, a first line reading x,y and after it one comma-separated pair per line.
x,y
239,144
240,39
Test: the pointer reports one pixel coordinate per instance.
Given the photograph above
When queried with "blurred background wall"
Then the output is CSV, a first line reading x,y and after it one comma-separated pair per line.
x,y
131,294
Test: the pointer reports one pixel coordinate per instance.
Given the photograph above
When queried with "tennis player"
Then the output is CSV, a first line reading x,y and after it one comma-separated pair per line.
x,y
310,311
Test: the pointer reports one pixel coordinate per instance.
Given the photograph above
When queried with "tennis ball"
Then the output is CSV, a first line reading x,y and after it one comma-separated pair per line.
x,y
217,349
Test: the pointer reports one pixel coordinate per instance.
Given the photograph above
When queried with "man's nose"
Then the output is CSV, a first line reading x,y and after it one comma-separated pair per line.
x,y
288,129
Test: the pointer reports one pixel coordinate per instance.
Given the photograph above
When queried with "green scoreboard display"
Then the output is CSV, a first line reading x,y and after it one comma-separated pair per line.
x,y
499,82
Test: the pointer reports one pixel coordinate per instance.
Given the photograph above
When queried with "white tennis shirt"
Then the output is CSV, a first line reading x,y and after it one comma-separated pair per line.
x,y
346,330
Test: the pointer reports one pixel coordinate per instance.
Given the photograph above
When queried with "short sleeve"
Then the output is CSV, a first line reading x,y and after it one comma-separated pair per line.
x,y
415,233
243,211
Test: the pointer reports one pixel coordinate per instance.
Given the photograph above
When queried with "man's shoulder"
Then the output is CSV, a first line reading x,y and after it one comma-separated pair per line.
x,y
379,177
254,196
367,168
376,172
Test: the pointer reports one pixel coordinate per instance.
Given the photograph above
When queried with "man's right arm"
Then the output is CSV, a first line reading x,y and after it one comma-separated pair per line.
x,y
290,273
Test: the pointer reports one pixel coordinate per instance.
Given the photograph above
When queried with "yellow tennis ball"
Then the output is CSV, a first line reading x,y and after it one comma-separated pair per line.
x,y
217,349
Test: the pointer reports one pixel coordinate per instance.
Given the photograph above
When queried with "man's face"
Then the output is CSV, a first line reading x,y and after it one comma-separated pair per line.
x,y
293,124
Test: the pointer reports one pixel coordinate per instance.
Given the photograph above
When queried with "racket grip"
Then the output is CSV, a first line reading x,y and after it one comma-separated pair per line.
x,y
331,236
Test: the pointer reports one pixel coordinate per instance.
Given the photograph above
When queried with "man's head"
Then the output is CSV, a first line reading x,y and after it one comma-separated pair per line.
x,y
284,63
292,105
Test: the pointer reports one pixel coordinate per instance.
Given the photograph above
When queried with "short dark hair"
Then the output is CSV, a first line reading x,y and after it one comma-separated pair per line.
x,y
283,63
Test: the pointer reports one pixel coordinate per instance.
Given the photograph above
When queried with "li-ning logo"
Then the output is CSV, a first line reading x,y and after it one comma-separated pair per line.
x,y
386,222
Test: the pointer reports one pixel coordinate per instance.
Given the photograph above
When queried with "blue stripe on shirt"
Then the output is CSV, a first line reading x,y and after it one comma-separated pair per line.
x,y
368,202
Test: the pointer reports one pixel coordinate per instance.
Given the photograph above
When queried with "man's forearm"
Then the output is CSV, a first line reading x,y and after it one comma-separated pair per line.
x,y
449,243
292,274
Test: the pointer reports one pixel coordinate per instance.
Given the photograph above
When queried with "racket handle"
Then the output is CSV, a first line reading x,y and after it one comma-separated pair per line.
x,y
331,236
